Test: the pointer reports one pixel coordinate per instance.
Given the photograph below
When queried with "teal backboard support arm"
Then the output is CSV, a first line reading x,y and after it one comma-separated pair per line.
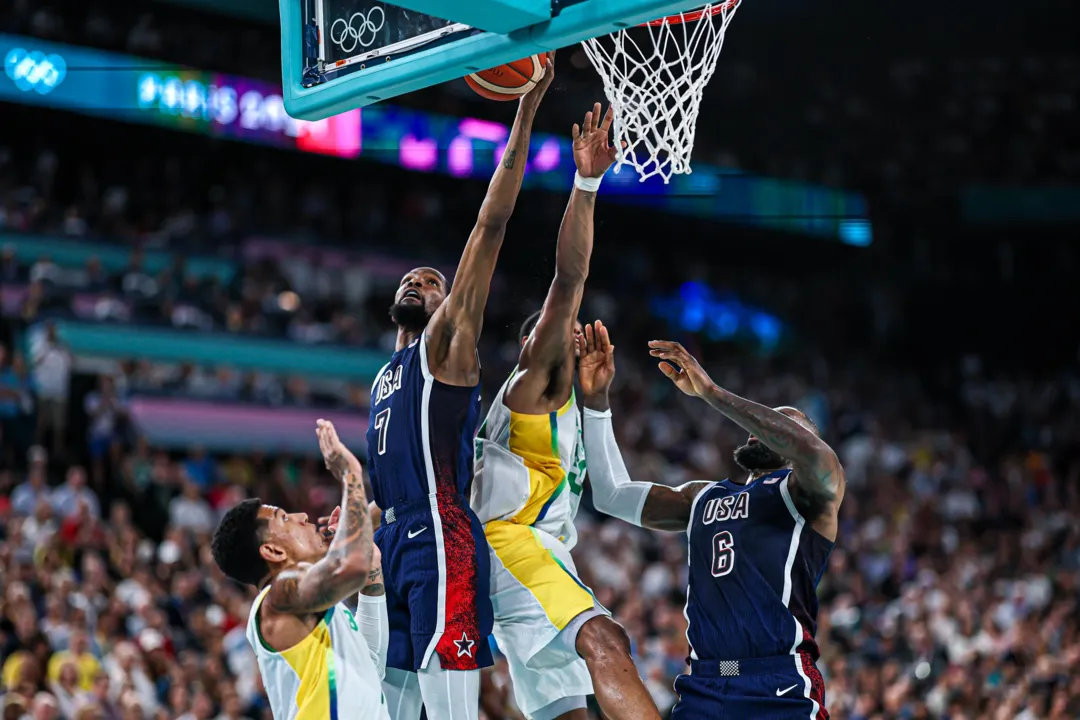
x,y
571,25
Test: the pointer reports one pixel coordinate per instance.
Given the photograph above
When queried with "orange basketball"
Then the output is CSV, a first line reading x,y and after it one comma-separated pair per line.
x,y
510,81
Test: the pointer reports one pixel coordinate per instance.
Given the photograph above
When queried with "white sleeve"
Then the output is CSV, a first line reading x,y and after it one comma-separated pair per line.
x,y
375,627
614,493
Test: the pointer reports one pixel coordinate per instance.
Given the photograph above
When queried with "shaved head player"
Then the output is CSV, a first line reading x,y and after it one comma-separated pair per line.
x,y
757,545
425,407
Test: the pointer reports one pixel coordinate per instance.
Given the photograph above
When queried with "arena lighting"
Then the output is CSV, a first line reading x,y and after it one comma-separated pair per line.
x,y
132,89
697,308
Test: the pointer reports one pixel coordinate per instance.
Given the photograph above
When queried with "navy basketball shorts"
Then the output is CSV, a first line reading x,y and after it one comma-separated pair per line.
x,y
437,576
784,687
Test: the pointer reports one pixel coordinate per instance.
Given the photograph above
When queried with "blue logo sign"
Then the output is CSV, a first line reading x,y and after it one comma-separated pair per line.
x,y
35,70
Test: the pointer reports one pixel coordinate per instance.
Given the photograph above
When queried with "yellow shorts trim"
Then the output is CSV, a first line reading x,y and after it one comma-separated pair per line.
x,y
554,585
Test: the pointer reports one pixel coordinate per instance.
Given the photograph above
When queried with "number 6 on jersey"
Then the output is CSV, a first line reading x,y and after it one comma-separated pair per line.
x,y
723,553
382,421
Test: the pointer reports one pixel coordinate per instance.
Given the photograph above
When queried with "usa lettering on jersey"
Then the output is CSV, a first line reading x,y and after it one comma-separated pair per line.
x,y
729,507
388,383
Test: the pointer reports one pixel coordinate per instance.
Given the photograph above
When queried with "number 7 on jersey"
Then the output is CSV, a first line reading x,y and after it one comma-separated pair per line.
x,y
382,422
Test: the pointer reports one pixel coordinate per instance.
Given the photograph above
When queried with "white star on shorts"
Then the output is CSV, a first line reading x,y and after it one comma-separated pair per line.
x,y
464,645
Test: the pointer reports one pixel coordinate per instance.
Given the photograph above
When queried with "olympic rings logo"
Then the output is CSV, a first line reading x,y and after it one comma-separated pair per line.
x,y
356,34
34,71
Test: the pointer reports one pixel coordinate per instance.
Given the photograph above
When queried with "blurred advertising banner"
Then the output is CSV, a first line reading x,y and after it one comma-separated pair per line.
x,y
229,427
137,90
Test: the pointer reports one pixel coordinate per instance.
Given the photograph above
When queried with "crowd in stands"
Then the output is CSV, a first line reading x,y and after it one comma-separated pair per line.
x,y
259,301
953,590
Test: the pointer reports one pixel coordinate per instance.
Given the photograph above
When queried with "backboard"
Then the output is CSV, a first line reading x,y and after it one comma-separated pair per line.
x,y
341,54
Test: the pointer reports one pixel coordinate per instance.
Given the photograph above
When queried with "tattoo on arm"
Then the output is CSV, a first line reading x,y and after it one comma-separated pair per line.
x,y
509,158
374,586
818,473
344,568
668,508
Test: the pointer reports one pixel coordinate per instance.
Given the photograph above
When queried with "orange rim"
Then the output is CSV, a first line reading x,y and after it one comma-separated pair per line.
x,y
692,16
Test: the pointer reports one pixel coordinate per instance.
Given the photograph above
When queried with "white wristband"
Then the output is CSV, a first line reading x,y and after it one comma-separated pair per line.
x,y
587,184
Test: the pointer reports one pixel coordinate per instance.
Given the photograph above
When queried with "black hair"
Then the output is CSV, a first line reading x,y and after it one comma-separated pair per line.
x,y
529,325
236,543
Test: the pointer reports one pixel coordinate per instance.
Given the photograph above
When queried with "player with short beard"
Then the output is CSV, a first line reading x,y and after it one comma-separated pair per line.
x,y
425,407
758,545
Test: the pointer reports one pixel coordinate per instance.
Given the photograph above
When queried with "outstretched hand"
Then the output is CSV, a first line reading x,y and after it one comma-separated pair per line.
x,y
533,97
336,456
593,154
596,360
681,367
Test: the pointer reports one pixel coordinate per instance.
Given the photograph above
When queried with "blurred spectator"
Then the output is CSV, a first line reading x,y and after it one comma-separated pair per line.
x,y
105,410
52,379
16,404
68,497
190,512
27,495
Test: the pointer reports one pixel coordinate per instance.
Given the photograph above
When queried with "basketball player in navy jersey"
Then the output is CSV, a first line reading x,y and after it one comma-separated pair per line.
x,y
757,547
425,405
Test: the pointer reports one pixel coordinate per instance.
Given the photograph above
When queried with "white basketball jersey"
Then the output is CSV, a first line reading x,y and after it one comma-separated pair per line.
x,y
329,675
529,468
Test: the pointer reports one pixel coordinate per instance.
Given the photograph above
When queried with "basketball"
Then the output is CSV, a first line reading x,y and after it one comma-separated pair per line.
x,y
510,81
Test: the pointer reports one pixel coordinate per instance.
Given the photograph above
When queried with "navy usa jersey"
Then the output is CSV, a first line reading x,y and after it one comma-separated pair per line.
x,y
435,559
754,568
420,432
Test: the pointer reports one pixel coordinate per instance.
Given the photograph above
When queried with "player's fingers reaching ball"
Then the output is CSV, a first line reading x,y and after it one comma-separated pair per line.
x,y
665,349
604,340
609,117
669,371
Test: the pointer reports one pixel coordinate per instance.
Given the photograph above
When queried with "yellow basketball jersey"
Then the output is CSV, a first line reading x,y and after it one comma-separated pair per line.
x,y
529,468
328,675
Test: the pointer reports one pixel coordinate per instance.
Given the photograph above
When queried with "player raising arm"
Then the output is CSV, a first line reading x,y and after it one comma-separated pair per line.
x,y
757,547
561,645
780,437
425,408
314,655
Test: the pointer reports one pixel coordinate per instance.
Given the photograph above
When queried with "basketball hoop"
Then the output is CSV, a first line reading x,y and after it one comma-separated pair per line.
x,y
654,76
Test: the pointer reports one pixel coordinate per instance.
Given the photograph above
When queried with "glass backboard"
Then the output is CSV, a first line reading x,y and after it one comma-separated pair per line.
x,y
356,34
341,54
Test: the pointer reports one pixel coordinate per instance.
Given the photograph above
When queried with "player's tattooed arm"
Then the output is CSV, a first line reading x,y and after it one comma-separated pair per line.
x,y
455,327
374,586
345,568
818,473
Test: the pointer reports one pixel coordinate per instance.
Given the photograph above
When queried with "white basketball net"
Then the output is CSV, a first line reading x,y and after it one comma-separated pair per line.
x,y
654,76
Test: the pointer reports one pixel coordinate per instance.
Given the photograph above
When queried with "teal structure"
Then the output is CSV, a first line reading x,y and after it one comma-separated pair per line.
x,y
114,258
566,23
215,349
